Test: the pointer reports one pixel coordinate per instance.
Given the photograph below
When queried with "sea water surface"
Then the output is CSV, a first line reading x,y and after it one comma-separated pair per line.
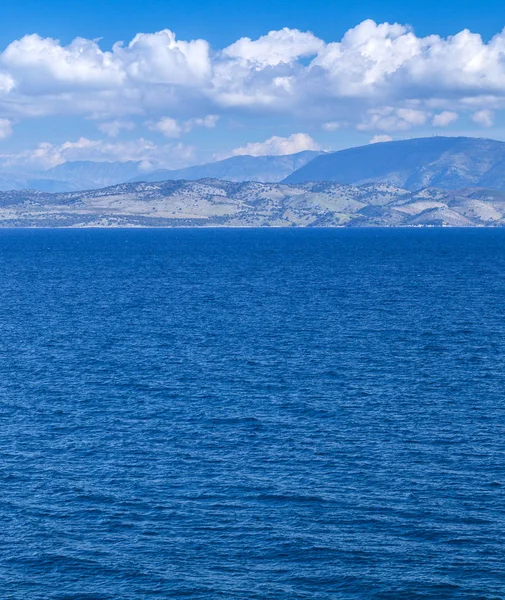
x,y
252,414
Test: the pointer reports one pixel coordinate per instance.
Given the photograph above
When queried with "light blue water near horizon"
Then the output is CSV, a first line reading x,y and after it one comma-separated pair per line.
x,y
252,414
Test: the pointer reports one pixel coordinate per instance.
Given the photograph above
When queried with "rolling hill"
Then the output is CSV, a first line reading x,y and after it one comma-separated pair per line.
x,y
217,203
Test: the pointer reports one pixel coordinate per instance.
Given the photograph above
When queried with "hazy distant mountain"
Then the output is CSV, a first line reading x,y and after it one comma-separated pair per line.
x,y
72,176
10,181
443,162
237,168
87,174
217,203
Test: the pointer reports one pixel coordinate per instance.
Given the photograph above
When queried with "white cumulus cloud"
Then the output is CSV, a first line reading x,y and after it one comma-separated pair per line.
x,y
377,139
5,128
444,118
275,48
378,77
287,70
278,146
485,118
169,127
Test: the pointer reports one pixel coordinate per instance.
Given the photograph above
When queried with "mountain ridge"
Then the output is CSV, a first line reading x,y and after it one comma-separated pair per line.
x,y
443,162
413,164
86,174
267,168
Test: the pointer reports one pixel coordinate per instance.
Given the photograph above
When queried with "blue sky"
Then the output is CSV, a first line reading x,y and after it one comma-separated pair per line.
x,y
331,75
223,21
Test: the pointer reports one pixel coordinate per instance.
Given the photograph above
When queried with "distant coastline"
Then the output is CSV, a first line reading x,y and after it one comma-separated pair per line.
x,y
216,203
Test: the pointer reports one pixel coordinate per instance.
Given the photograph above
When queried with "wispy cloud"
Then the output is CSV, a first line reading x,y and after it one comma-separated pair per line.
x,y
172,128
45,155
114,128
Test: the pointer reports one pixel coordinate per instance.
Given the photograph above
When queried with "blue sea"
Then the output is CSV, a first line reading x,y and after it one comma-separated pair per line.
x,y
252,414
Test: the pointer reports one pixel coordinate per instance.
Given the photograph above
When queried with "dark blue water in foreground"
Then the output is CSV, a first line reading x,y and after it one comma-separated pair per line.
x,y
252,414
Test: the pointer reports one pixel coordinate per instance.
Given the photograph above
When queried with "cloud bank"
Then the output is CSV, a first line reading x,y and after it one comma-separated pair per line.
x,y
364,79
378,78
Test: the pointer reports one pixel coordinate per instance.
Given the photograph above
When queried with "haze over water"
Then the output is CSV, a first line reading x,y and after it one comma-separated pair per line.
x,y
248,414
